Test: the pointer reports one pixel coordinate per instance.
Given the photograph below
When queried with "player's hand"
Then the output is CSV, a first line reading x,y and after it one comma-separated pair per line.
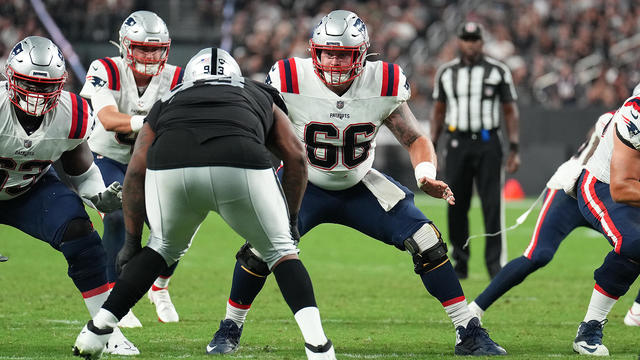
x,y
130,248
513,162
437,189
295,234
109,200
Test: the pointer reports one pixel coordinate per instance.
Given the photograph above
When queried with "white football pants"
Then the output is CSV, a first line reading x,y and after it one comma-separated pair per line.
x,y
249,200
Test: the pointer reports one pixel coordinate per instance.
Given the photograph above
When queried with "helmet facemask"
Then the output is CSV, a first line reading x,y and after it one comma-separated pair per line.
x,y
146,65
34,95
340,74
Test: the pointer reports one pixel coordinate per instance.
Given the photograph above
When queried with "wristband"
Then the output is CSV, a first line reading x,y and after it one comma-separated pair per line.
x,y
425,169
514,146
136,122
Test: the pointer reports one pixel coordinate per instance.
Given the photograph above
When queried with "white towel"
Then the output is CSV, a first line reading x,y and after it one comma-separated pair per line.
x,y
387,193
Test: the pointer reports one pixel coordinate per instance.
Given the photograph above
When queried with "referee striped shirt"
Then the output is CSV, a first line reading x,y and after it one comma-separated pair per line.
x,y
473,93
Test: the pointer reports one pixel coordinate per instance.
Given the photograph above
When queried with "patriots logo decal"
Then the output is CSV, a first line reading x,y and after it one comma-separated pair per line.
x,y
635,108
631,128
96,81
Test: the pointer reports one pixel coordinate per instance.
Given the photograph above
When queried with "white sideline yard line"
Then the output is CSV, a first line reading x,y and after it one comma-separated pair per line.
x,y
65,322
378,356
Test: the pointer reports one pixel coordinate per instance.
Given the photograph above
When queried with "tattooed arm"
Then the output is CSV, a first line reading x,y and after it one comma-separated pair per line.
x,y
405,128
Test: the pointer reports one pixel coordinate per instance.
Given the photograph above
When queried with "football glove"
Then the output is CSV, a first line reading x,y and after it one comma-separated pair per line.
x,y
295,234
109,200
130,248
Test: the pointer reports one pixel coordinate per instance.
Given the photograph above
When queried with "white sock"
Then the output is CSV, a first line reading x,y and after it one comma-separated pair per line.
x,y
94,299
161,282
459,313
236,314
105,319
476,310
635,308
308,320
599,306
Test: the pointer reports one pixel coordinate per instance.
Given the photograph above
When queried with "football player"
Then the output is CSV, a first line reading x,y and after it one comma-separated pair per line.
x,y
338,101
42,124
122,90
609,199
3,258
205,147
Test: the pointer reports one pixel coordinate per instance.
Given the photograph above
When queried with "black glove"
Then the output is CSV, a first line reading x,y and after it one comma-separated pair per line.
x,y
130,248
293,226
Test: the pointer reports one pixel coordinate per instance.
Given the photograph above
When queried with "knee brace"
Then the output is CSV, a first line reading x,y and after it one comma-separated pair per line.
x,y
252,262
616,274
427,249
82,247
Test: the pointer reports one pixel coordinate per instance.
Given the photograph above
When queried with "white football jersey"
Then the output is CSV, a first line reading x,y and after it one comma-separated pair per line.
x,y
567,173
25,158
627,124
339,131
113,76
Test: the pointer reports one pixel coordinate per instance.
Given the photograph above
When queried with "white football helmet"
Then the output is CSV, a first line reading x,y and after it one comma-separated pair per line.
x,y
340,30
146,30
36,73
211,61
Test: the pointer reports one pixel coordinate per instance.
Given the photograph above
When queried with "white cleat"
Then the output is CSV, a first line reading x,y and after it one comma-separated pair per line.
x,y
632,319
129,321
164,307
588,340
119,345
91,341
321,352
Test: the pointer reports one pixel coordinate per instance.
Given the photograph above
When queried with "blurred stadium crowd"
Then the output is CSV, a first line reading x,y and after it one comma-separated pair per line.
x,y
562,53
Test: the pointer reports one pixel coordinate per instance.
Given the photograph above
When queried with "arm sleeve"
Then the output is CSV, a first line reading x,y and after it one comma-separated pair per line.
x,y
506,89
438,93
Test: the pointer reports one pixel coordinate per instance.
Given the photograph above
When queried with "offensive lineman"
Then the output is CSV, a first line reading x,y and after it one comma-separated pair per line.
x,y
211,138
337,104
42,124
122,90
609,199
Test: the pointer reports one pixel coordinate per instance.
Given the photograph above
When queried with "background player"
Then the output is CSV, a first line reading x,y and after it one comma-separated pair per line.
x,y
609,199
227,170
122,90
42,124
337,104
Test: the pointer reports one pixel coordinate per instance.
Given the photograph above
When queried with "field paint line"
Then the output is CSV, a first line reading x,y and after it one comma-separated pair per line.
x,y
378,356
66,322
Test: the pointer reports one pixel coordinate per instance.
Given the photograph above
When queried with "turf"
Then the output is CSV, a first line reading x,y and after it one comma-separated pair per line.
x,y
373,305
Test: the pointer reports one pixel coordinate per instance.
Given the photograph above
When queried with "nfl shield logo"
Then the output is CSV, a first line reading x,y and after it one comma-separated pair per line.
x,y
27,143
340,104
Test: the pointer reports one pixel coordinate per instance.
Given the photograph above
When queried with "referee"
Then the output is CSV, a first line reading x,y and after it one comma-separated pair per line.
x,y
468,92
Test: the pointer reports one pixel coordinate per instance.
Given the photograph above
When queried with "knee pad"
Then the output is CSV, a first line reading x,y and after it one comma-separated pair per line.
x,y
86,259
77,228
616,274
427,249
252,262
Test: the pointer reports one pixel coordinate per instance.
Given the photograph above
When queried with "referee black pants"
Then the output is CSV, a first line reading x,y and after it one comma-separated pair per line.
x,y
469,157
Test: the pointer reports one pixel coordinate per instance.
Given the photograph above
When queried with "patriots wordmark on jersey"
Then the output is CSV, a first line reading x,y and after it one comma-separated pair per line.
x,y
110,81
25,158
339,131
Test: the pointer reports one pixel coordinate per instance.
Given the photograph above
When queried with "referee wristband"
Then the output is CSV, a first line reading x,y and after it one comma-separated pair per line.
x,y
514,146
425,169
136,122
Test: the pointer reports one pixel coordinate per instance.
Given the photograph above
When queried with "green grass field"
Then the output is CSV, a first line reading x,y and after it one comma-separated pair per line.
x,y
372,304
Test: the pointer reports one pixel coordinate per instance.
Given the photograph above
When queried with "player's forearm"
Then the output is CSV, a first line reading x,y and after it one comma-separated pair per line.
x,y
133,197
512,120
626,192
113,120
422,150
294,183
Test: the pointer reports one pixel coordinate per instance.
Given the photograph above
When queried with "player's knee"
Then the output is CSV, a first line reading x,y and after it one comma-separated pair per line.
x,y
82,248
541,258
616,274
77,228
114,219
252,262
427,248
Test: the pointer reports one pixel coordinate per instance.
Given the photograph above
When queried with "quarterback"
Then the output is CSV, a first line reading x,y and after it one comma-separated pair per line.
x,y
42,124
338,101
122,90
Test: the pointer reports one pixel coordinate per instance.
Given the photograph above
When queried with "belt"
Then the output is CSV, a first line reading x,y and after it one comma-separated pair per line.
x,y
480,135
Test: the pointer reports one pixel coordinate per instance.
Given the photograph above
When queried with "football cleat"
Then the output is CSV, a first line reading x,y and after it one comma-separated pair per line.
x,y
119,345
320,352
474,340
632,319
164,307
226,339
91,341
3,258
589,339
129,321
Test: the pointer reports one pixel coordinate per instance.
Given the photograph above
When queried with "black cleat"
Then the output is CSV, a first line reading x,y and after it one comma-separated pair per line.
x,y
474,340
226,339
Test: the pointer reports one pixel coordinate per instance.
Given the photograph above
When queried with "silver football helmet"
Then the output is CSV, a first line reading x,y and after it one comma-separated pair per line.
x,y
36,73
211,61
145,30
342,31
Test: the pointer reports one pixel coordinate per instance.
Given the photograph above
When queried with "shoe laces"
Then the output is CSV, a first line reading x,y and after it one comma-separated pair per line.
x,y
592,331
